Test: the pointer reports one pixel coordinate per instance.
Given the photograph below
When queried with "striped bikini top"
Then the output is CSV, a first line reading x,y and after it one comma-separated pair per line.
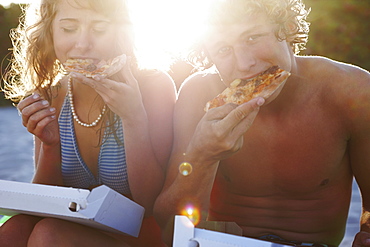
x,y
112,169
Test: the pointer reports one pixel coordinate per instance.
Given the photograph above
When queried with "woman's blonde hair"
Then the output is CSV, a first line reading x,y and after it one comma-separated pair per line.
x,y
289,15
34,66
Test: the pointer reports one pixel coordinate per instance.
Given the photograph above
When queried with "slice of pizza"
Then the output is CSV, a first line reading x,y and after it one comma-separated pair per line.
x,y
89,68
241,91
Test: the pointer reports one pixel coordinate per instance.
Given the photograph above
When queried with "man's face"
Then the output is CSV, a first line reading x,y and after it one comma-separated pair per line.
x,y
245,49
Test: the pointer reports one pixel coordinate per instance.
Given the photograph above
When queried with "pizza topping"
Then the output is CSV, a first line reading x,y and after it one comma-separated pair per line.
x,y
241,91
89,68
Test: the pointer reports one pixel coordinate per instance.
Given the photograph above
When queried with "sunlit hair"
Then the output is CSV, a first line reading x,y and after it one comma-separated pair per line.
x,y
34,66
289,15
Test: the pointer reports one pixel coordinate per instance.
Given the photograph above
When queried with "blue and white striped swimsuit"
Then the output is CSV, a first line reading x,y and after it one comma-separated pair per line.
x,y
112,169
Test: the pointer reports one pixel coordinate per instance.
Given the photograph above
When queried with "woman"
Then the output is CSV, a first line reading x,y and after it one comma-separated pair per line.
x,y
115,131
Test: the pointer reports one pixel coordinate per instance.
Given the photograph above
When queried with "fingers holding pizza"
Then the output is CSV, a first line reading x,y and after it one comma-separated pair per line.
x,y
91,69
219,133
222,130
240,91
112,80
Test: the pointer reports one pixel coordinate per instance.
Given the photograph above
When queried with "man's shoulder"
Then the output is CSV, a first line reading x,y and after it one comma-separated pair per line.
x,y
338,84
345,85
204,78
206,82
198,89
323,66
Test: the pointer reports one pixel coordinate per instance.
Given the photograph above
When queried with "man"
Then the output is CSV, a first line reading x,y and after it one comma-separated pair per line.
x,y
281,167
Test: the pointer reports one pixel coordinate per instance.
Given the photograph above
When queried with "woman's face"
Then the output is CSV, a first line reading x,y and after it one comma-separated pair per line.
x,y
82,33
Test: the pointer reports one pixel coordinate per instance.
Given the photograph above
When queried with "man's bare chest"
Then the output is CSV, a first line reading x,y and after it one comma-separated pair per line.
x,y
291,153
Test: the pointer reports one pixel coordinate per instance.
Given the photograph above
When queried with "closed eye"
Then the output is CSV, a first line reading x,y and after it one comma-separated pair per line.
x,y
69,29
100,27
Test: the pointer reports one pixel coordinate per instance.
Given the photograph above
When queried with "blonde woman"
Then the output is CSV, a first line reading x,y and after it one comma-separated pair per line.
x,y
115,131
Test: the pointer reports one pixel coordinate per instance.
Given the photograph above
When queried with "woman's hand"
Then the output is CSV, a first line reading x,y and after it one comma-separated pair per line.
x,y
40,119
121,95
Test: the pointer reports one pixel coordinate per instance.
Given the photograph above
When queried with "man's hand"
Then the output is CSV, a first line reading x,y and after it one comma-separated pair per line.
x,y
361,239
219,134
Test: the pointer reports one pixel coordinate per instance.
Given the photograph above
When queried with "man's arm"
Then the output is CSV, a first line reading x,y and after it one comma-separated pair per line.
x,y
201,139
361,169
359,147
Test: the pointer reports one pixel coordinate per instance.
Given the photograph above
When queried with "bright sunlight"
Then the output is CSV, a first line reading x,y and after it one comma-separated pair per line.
x,y
164,28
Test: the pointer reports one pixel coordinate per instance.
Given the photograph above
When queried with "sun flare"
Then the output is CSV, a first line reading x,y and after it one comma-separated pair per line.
x,y
192,213
165,28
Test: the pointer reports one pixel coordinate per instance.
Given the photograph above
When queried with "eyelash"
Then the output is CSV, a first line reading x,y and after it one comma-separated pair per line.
x,y
99,31
72,30
68,30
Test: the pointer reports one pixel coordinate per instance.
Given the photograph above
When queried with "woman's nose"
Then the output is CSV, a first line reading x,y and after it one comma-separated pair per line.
x,y
84,41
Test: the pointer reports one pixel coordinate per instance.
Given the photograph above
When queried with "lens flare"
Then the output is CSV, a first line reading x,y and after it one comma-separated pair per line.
x,y
185,168
192,213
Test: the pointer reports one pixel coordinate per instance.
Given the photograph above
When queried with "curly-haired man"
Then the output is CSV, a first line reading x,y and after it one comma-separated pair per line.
x,y
282,167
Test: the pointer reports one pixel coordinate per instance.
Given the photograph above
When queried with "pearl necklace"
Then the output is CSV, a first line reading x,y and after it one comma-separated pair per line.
x,y
75,117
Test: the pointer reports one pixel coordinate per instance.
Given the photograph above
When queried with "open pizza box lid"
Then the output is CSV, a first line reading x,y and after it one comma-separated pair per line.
x,y
102,208
186,235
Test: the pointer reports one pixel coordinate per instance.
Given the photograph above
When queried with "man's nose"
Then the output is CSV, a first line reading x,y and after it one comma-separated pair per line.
x,y
244,59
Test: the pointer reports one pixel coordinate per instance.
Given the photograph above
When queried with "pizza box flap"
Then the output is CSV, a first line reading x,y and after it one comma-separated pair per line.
x,y
102,208
186,234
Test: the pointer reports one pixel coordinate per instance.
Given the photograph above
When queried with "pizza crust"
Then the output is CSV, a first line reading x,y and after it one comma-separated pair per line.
x,y
88,68
241,91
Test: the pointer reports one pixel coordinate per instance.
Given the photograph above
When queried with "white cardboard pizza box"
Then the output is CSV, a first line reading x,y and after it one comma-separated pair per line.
x,y
102,208
186,235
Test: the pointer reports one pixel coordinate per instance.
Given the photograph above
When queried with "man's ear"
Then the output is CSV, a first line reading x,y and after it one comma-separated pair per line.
x,y
290,29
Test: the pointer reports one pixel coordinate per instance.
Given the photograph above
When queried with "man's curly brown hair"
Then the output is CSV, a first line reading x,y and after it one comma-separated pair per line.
x,y
289,15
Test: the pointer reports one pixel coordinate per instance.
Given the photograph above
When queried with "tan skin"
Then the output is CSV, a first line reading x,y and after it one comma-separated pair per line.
x,y
135,97
285,167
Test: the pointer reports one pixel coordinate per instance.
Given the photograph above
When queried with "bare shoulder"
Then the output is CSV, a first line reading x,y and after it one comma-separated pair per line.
x,y
201,87
154,78
347,80
348,86
341,72
342,88
336,79
156,85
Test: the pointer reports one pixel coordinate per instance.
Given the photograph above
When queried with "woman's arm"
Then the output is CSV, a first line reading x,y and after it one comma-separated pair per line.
x,y
40,120
144,103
